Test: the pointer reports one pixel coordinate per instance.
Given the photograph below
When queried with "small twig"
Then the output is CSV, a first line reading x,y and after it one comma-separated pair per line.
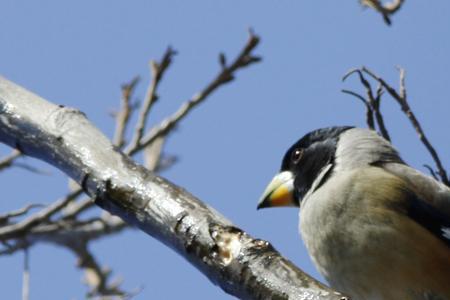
x,y
18,229
432,172
8,160
123,116
17,213
373,102
386,10
157,69
379,117
76,208
96,277
226,74
404,105
66,233
26,275
166,162
152,153
369,110
11,248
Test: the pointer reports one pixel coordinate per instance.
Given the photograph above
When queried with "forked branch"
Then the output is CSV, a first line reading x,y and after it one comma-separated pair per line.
x,y
373,106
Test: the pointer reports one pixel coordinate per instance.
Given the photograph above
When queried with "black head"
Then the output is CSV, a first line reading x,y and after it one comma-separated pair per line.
x,y
302,164
307,157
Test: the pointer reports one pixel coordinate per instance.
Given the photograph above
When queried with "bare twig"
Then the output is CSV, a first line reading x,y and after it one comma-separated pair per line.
x,y
153,152
372,103
386,10
369,110
26,275
157,70
73,210
75,235
18,229
8,160
123,115
432,172
4,219
96,277
401,99
379,117
244,59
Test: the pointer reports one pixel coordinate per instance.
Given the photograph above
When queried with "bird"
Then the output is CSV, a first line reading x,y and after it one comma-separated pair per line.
x,y
375,227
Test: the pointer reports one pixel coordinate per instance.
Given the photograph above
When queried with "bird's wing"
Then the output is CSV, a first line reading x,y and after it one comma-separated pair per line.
x,y
426,187
430,204
429,217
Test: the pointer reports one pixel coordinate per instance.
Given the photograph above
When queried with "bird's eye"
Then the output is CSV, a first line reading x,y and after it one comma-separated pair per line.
x,y
297,155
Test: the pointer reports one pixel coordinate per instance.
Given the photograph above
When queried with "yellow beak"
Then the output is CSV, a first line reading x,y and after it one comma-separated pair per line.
x,y
279,192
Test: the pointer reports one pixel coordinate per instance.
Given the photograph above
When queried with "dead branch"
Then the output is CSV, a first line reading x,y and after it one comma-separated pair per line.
x,y
386,10
8,160
26,275
157,70
244,59
5,218
124,114
372,103
401,98
18,229
369,110
243,266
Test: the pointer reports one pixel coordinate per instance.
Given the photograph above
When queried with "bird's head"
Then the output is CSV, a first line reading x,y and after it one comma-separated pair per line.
x,y
311,160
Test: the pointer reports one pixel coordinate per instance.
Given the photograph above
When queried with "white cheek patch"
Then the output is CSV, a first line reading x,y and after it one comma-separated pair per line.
x,y
446,232
318,180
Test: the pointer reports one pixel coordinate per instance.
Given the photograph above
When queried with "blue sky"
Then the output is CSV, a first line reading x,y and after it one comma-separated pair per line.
x,y
79,53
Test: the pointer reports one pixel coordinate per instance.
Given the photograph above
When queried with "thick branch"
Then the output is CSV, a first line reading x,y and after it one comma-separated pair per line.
x,y
243,266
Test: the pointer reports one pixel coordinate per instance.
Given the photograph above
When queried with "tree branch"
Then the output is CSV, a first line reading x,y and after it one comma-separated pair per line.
x,y
243,266
26,275
18,229
157,71
226,75
402,100
5,218
369,111
372,103
7,161
123,115
386,10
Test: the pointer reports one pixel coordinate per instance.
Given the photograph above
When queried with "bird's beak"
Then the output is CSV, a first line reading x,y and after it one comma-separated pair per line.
x,y
279,192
